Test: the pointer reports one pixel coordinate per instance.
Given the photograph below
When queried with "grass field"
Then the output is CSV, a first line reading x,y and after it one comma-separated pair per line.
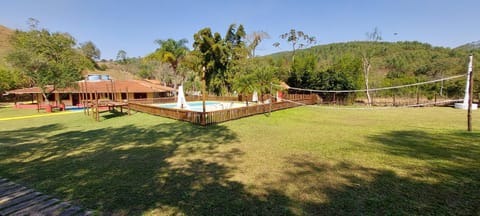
x,y
302,161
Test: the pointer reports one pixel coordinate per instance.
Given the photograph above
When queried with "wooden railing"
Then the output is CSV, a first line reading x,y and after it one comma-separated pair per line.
x,y
212,98
236,113
184,115
213,117
153,100
173,99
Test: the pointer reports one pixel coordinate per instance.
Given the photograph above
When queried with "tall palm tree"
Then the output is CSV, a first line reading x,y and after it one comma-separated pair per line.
x,y
245,85
264,76
172,53
255,39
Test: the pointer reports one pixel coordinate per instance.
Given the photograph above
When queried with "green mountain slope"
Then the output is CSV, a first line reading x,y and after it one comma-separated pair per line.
x,y
114,70
470,46
393,60
339,66
5,46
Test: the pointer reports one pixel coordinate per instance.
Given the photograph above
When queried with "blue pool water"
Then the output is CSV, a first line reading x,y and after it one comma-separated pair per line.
x,y
73,108
194,106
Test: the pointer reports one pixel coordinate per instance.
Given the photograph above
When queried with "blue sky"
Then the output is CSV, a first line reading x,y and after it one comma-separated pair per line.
x,y
133,25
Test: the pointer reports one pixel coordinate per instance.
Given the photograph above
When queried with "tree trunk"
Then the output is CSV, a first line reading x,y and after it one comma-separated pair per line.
x,y
293,57
366,71
418,96
441,89
174,87
394,103
174,67
45,96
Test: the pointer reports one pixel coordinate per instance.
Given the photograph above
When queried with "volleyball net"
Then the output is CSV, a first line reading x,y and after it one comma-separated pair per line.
x,y
438,92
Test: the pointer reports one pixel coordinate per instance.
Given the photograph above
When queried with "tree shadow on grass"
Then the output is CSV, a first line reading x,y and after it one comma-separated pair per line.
x,y
450,157
423,145
445,183
349,189
132,170
203,188
30,135
437,173
446,155
111,115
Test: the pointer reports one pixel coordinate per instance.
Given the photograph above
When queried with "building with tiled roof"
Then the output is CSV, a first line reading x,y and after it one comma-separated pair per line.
x,y
105,89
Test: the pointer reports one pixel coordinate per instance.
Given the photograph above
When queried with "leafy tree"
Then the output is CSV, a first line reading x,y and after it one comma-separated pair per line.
x,y
189,68
303,71
212,55
255,38
264,76
366,60
344,73
245,84
156,70
172,53
351,66
297,39
9,79
90,50
122,56
237,53
235,36
257,76
147,70
47,58
32,23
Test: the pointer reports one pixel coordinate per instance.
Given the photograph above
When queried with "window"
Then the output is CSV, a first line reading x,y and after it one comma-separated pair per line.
x,y
51,96
139,95
64,96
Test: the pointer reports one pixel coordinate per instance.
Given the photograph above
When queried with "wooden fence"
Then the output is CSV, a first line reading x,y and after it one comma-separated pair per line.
x,y
217,116
173,99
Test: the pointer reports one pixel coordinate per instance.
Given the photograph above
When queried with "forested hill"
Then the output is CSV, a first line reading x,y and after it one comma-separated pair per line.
x,y
391,64
5,46
470,46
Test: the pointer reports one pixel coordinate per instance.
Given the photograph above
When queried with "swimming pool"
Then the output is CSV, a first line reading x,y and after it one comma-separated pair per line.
x,y
73,108
198,106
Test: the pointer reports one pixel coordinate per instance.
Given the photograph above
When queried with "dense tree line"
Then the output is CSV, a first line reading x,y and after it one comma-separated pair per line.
x,y
230,66
42,58
339,66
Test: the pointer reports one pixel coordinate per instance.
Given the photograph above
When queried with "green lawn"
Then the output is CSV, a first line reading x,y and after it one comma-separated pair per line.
x,y
302,161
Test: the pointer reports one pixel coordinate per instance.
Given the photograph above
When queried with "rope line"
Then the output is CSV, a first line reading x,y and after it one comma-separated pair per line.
x,y
295,102
374,107
375,89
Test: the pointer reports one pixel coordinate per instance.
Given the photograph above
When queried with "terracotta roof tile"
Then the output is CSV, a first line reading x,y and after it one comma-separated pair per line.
x,y
102,86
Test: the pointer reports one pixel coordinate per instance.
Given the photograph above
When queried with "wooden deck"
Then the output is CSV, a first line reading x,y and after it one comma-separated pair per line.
x,y
16,200
96,105
218,116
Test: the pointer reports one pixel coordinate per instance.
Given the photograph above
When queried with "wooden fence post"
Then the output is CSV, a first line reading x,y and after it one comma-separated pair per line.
x,y
470,93
97,115
204,115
